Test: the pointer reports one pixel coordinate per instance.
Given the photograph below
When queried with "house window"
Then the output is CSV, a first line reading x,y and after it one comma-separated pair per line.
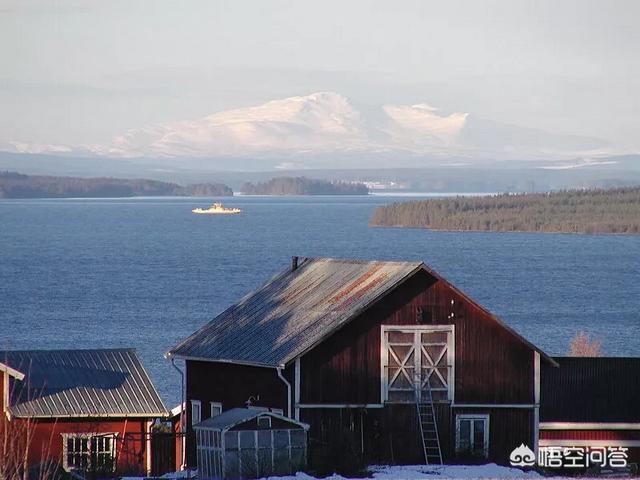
x,y
89,452
472,435
417,363
264,421
216,408
196,411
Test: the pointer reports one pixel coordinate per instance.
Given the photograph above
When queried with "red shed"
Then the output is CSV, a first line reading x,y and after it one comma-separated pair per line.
x,y
87,409
384,360
592,402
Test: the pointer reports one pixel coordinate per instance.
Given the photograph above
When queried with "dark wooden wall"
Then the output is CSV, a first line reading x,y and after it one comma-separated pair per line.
x,y
491,365
390,435
231,385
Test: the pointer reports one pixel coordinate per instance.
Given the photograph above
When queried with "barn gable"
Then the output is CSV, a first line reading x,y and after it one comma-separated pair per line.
x,y
300,307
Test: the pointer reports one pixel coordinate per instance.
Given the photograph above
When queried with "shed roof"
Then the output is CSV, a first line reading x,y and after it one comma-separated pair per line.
x,y
236,416
591,390
81,383
297,309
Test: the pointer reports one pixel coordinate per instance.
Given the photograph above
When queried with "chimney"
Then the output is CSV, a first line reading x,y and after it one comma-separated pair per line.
x,y
294,263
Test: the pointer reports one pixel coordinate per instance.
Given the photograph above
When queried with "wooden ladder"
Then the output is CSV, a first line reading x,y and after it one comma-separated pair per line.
x,y
428,427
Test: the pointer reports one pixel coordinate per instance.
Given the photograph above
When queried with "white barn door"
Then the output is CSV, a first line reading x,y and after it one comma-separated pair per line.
x,y
414,359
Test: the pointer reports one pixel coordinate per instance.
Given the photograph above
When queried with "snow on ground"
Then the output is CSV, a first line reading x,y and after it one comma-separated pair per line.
x,y
411,472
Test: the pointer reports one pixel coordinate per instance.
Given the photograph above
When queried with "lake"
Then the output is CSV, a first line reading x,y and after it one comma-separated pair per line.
x,y
145,272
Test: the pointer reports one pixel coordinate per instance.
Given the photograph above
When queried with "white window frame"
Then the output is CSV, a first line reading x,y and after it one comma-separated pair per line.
x,y
264,417
212,406
384,355
88,436
474,416
194,404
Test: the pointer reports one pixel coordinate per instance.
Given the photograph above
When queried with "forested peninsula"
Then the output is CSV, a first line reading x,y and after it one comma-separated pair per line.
x,y
16,185
570,211
303,186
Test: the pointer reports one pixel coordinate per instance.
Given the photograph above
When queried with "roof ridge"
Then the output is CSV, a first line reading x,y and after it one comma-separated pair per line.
x,y
80,350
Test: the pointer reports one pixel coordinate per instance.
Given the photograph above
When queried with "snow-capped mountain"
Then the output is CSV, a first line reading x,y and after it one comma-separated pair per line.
x,y
319,123
327,123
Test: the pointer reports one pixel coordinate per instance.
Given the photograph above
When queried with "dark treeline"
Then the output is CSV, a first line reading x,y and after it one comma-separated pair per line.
x,y
303,186
571,211
16,185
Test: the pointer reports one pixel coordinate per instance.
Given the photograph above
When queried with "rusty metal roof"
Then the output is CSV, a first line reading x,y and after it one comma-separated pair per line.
x,y
81,383
294,311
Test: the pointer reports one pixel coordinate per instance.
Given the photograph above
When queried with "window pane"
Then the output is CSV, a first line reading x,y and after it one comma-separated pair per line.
x,y
247,439
264,422
281,438
281,460
232,463
434,337
478,436
465,435
400,337
265,468
264,438
297,459
231,440
216,409
298,438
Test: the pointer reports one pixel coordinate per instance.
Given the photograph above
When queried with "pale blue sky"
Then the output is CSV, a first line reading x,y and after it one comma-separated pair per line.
x,y
82,71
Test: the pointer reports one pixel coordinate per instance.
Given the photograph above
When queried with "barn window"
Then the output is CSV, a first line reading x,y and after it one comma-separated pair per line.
x,y
196,411
216,409
472,435
417,363
86,451
264,421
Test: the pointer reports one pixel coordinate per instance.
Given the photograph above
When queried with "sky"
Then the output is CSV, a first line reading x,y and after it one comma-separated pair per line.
x,y
82,72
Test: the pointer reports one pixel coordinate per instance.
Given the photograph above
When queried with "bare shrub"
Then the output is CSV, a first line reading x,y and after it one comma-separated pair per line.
x,y
16,441
582,346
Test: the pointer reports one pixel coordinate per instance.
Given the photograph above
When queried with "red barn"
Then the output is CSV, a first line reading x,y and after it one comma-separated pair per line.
x,y
87,409
386,361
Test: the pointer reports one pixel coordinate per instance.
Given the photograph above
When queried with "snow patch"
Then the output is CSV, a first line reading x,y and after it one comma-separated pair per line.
x,y
410,472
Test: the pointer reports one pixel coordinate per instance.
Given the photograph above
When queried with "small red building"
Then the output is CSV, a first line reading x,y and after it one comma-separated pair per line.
x,y
87,409
592,402
386,361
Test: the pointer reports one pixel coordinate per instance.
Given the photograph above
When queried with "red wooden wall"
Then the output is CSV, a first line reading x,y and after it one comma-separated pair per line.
x,y
491,365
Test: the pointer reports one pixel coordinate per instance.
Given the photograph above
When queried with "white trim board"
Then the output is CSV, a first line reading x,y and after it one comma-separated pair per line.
x,y
296,393
340,405
558,442
11,371
493,405
588,426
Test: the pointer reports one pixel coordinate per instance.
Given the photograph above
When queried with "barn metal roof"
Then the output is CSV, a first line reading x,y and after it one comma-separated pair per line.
x,y
298,308
81,383
591,390
293,311
236,416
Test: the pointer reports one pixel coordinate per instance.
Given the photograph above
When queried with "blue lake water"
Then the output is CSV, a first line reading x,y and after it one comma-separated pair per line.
x,y
145,273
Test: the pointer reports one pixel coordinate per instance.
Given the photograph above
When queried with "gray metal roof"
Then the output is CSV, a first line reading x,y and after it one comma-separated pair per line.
x,y
236,416
294,311
81,383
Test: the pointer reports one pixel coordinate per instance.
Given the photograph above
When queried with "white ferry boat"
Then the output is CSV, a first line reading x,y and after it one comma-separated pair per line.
x,y
217,209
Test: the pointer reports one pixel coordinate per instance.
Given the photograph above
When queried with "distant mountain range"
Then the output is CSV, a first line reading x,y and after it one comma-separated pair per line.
x,y
325,130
